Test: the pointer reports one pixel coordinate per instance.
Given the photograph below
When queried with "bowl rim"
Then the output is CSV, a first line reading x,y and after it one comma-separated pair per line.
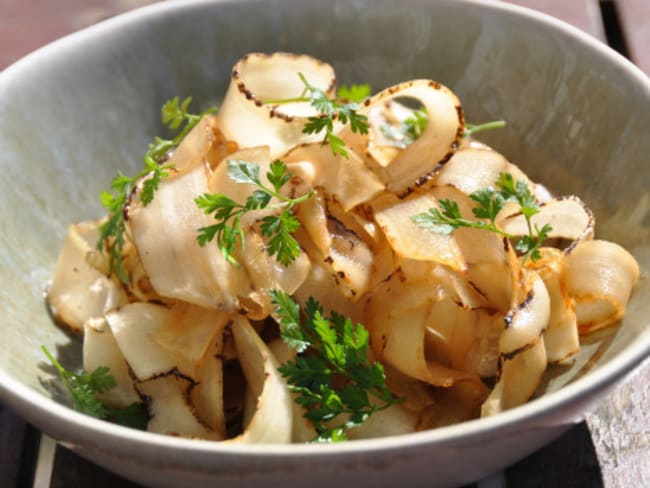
x,y
36,406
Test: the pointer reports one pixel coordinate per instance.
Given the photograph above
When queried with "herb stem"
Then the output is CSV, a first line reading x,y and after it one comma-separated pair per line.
x,y
62,371
471,129
286,100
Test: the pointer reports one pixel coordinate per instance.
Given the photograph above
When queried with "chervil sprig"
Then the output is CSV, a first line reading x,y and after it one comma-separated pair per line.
x,y
112,232
353,93
331,375
84,387
408,130
489,204
528,245
343,108
411,128
228,232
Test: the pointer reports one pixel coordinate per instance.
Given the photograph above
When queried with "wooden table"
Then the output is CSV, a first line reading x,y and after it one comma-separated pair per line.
x,y
611,448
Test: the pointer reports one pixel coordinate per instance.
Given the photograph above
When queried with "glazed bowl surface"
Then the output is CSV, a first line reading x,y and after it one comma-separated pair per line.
x,y
83,107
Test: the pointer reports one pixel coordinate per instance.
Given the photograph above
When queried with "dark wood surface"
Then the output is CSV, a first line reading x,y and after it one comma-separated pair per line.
x,y
611,448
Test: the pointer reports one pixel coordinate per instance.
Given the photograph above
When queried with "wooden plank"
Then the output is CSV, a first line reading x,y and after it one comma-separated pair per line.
x,y
620,428
12,435
73,470
18,449
568,461
583,14
634,16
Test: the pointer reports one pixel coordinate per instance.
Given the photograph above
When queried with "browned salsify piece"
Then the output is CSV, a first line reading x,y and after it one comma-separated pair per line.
x,y
600,276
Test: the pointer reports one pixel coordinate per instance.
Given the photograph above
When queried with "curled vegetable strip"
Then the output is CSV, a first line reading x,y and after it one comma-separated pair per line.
x,y
337,249
207,396
522,354
245,118
101,350
302,430
204,143
561,336
345,178
272,420
387,215
600,276
419,161
398,317
167,399
79,291
491,264
407,238
471,169
133,326
171,352
178,267
568,217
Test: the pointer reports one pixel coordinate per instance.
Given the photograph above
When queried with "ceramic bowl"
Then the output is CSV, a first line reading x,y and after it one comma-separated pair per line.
x,y
75,111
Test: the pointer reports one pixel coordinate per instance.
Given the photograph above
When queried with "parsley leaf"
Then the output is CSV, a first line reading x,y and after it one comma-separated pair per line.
x,y
228,232
489,204
112,232
354,93
84,387
343,108
331,374
408,130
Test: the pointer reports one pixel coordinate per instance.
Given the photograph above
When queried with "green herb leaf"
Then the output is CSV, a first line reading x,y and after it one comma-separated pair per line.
x,y
282,243
407,131
344,108
331,374
489,204
134,416
84,387
278,228
278,174
410,129
112,232
354,93
243,172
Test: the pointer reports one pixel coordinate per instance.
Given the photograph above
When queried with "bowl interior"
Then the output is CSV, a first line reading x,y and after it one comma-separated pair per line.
x,y
75,112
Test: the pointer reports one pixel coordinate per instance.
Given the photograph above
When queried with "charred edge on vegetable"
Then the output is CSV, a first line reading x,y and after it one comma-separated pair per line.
x,y
274,113
58,320
241,86
319,62
477,289
146,399
191,384
506,244
187,398
341,228
591,222
424,179
401,274
508,318
172,372
508,356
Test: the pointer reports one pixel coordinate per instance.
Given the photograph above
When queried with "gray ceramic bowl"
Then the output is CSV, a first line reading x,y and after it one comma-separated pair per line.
x,y
74,112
